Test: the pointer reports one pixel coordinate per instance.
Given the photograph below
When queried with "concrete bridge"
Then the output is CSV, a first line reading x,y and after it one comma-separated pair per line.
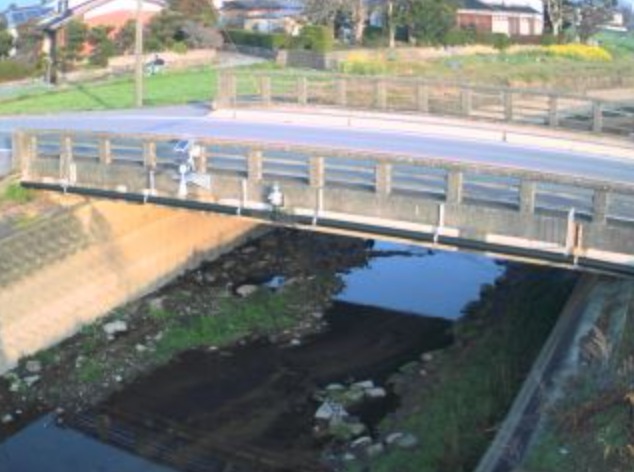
x,y
514,212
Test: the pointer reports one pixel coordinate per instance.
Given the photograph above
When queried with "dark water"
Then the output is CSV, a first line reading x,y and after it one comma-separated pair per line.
x,y
252,407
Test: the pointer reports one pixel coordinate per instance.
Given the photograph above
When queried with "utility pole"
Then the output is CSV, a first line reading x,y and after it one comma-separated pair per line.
x,y
138,52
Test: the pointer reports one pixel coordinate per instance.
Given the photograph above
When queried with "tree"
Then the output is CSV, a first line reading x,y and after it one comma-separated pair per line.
x,y
102,46
554,12
325,12
71,52
428,21
6,41
28,46
125,37
166,29
197,10
591,14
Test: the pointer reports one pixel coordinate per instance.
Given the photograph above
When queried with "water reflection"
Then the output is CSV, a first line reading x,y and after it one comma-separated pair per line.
x,y
45,447
416,280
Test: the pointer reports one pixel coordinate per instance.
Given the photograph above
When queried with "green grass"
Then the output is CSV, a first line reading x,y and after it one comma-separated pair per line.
x,y
15,193
261,314
90,371
164,89
479,379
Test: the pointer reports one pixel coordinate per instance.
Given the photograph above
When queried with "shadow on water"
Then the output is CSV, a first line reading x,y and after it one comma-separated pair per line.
x,y
254,405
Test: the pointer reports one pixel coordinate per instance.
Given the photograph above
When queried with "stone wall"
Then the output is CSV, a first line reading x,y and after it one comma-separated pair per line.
x,y
123,252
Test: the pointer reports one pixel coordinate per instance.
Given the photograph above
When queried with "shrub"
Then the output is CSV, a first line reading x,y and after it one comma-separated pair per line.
x,y
458,37
317,38
548,39
501,41
373,36
11,69
179,47
258,40
580,52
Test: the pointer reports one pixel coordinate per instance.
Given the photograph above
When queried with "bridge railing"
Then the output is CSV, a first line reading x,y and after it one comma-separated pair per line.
x,y
418,194
413,95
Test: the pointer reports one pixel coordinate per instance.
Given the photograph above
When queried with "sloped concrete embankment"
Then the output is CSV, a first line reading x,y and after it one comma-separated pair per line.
x,y
558,360
73,268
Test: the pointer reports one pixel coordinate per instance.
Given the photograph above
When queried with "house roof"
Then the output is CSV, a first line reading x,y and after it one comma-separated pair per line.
x,y
497,7
294,5
16,16
59,20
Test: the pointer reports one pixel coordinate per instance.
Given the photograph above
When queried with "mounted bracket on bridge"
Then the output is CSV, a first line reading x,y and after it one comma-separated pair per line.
x,y
441,222
187,151
319,206
574,237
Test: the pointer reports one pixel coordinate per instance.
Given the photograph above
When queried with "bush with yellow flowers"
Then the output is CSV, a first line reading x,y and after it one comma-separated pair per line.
x,y
581,52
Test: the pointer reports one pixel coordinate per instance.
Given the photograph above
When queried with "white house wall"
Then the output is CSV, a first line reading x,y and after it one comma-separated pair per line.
x,y
120,5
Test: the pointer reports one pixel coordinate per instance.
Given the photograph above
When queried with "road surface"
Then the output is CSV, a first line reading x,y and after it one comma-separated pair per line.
x,y
197,121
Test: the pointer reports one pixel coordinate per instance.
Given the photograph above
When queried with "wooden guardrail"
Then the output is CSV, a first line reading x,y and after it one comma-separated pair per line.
x,y
413,95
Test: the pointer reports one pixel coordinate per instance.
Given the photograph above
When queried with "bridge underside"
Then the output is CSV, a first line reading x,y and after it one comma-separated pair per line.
x,y
518,247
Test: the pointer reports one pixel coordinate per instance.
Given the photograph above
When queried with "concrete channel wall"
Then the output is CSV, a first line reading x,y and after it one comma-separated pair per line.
x,y
118,252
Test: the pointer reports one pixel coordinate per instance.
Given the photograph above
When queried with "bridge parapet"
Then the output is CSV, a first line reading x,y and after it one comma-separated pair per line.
x,y
414,95
546,216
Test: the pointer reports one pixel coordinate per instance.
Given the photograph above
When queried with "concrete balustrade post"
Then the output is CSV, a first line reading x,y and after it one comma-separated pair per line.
x,y
342,92
265,89
201,160
149,154
23,153
422,96
597,116
508,105
317,172
105,151
255,165
383,178
302,91
553,111
466,99
527,194
600,206
380,94
66,157
454,187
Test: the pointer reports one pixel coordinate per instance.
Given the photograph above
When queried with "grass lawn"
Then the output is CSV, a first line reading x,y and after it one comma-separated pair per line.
x,y
163,89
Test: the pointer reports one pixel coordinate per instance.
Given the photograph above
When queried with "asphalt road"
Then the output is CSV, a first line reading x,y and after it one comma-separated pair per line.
x,y
196,121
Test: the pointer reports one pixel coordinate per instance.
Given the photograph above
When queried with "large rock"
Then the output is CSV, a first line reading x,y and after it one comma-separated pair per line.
x,y
401,440
33,366
329,410
246,290
376,392
115,327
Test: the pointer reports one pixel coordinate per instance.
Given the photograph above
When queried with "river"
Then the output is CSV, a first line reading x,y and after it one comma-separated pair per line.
x,y
251,407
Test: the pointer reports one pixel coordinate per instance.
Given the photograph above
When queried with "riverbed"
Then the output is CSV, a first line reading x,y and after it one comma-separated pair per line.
x,y
251,406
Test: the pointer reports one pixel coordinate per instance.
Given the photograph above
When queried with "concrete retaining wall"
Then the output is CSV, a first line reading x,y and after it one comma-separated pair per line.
x,y
132,250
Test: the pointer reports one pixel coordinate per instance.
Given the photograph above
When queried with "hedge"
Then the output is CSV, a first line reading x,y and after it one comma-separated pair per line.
x,y
258,40
15,70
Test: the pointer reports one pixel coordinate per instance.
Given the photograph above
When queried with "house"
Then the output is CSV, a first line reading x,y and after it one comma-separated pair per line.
x,y
113,13
265,16
514,20
14,17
